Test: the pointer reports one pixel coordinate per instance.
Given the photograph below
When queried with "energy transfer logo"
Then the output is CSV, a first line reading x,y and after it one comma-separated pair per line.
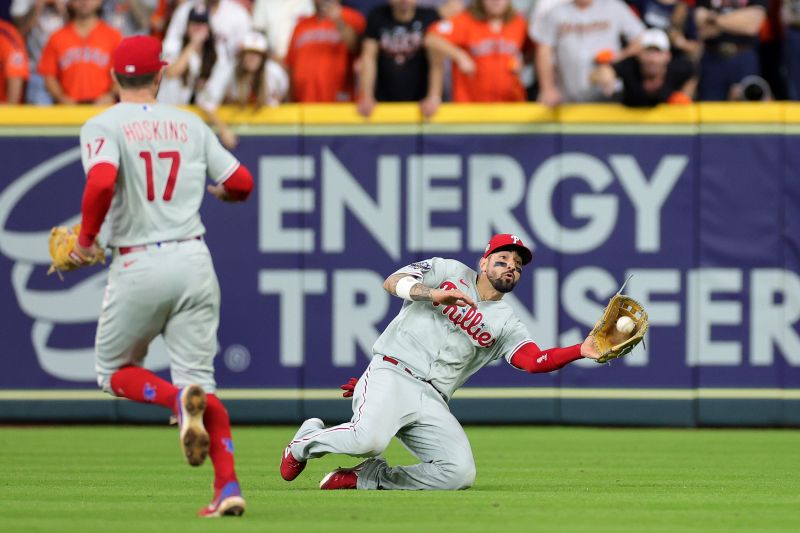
x,y
77,304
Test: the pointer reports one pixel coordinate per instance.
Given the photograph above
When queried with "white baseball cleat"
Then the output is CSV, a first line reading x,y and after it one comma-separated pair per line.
x,y
194,437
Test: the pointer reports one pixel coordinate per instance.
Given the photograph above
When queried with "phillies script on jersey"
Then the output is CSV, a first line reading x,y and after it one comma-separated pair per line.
x,y
467,318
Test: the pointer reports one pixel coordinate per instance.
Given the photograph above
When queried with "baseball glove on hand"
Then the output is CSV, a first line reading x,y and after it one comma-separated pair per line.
x,y
63,251
611,343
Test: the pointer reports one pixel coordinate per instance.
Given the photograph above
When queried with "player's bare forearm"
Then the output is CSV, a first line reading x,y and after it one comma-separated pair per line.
x,y
421,293
418,292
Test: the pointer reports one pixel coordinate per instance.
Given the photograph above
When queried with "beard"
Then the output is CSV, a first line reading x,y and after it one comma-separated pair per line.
x,y
503,284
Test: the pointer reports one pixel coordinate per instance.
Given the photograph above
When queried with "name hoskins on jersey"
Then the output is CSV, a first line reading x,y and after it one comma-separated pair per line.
x,y
155,130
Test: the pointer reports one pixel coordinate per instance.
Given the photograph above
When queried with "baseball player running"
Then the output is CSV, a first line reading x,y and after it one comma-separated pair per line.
x,y
146,165
453,323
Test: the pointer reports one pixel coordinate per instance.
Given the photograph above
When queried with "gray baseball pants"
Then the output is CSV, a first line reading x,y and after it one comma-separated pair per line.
x,y
388,402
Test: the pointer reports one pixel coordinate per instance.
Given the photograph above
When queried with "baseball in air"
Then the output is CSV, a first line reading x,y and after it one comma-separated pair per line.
x,y
625,325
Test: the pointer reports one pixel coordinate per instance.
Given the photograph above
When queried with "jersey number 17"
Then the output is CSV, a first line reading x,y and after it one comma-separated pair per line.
x,y
175,164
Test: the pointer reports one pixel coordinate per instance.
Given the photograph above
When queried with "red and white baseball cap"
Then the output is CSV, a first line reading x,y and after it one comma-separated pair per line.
x,y
507,241
137,55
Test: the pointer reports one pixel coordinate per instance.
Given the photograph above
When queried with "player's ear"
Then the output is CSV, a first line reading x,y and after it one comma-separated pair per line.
x,y
482,264
116,82
157,80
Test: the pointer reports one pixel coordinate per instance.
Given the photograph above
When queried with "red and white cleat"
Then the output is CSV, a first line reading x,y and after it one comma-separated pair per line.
x,y
194,437
227,501
341,478
291,467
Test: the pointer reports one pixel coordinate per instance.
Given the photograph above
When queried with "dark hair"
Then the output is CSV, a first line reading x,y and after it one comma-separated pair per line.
x,y
208,56
256,89
136,81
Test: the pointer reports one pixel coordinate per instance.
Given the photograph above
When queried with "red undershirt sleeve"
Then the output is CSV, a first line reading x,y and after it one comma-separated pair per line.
x,y
239,185
530,358
97,196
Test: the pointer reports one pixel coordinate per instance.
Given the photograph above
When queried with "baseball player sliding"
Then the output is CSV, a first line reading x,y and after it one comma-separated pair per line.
x,y
147,165
453,323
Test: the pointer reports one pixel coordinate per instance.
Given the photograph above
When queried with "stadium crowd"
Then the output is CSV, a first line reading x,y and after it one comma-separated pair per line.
x,y
264,52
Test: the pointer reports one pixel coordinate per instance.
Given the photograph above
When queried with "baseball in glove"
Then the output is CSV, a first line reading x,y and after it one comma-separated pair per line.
x,y
609,341
63,251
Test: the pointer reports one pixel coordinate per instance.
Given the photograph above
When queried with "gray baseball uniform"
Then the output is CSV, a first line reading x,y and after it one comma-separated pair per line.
x,y
426,353
165,283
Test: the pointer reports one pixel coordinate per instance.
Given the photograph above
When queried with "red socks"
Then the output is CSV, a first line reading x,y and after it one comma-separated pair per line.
x,y
221,451
141,385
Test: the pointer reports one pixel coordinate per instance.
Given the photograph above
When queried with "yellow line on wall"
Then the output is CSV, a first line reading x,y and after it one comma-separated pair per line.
x,y
409,113
471,393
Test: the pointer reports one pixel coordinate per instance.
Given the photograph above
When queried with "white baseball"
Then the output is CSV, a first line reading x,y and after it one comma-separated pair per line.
x,y
625,325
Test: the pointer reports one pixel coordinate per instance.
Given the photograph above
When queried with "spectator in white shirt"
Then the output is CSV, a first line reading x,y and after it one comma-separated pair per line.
x,y
257,80
200,73
229,23
569,36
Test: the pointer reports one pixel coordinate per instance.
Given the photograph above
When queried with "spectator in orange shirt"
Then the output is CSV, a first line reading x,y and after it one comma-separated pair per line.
x,y
76,61
13,64
486,43
321,53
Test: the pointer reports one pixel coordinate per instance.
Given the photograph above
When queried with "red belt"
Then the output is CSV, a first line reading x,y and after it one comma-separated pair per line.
x,y
395,362
142,247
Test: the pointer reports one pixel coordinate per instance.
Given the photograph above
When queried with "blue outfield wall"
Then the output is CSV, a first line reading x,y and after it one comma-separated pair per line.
x,y
706,217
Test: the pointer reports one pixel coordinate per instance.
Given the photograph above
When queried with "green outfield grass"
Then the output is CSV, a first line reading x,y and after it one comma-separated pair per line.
x,y
114,479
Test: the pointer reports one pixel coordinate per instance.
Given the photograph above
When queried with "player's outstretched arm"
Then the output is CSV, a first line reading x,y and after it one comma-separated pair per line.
x,y
410,288
530,358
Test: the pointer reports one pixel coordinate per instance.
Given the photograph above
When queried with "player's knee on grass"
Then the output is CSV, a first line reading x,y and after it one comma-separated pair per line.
x,y
468,478
458,476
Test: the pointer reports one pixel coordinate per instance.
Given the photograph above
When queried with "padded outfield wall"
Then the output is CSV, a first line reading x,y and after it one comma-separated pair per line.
x,y
700,203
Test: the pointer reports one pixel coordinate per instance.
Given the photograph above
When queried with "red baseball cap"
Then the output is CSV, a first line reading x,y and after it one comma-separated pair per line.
x,y
507,241
136,55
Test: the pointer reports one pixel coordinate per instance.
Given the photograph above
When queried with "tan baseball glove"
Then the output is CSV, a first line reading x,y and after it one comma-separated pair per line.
x,y
611,343
64,254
